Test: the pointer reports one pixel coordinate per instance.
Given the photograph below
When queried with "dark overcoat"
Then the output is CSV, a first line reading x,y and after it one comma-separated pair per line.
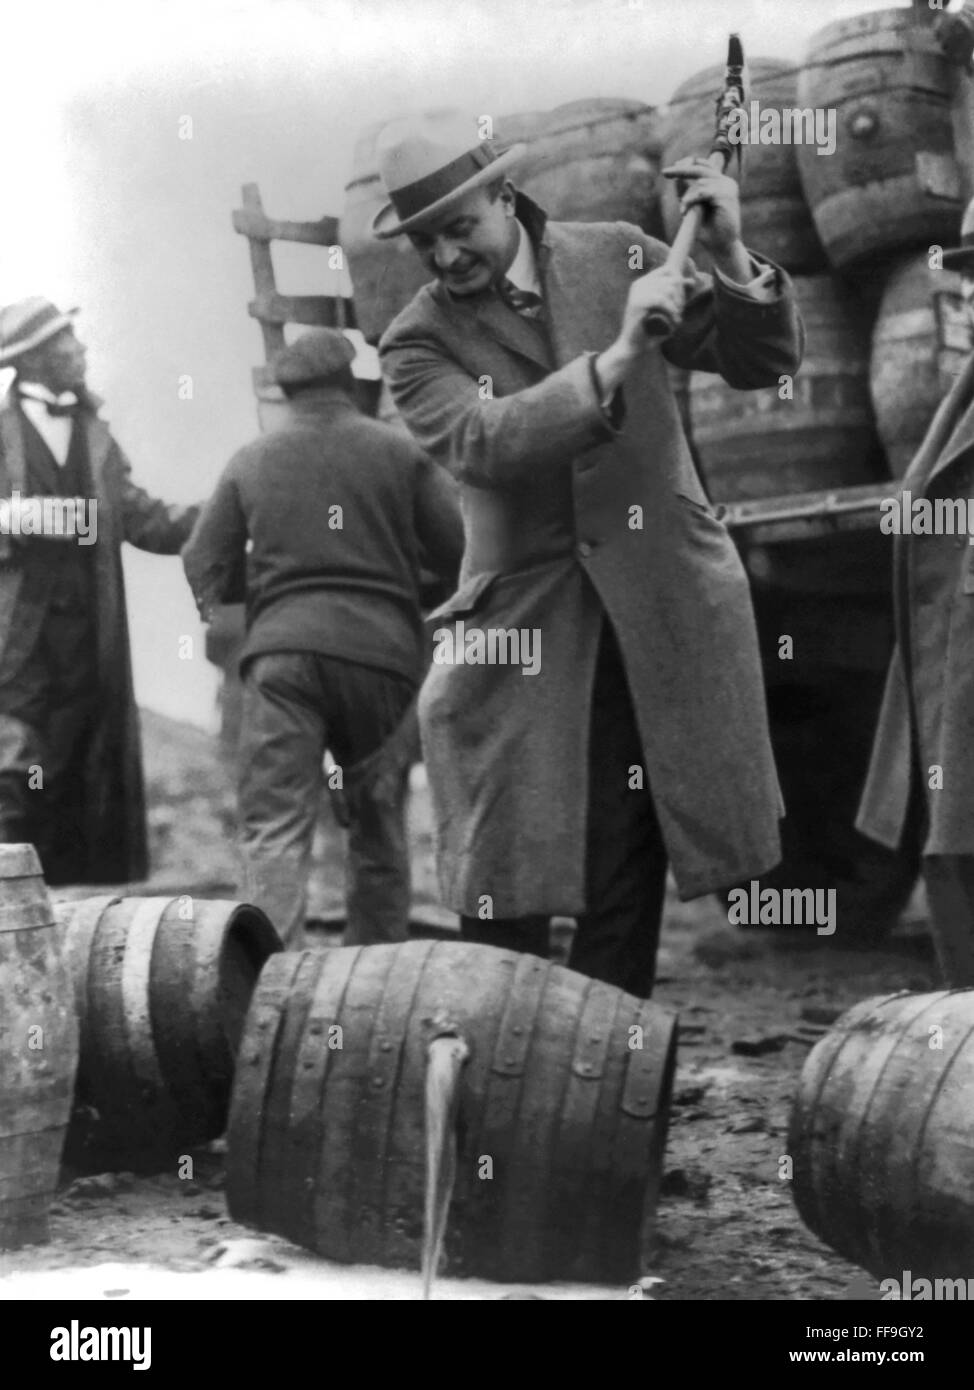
x,y
926,720
568,519
114,795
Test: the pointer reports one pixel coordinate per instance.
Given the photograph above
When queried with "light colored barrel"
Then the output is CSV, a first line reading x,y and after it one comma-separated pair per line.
x,y
775,217
38,1049
893,182
562,1112
881,1137
162,987
588,161
921,339
814,432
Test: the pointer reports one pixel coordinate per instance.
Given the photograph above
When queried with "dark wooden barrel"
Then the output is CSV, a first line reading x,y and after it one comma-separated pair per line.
x,y
893,181
38,1049
757,444
776,219
921,339
881,1138
325,1143
588,161
162,986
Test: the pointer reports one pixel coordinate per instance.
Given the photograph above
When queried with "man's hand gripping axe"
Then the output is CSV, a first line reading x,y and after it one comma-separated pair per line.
x,y
658,324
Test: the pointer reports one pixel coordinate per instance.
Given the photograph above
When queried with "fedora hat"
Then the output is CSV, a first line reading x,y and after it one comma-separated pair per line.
x,y
315,356
27,324
962,257
427,163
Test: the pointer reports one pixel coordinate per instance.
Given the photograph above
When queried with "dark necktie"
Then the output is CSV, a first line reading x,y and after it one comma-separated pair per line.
x,y
521,301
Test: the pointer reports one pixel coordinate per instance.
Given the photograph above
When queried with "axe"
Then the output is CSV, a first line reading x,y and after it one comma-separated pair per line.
x,y
659,325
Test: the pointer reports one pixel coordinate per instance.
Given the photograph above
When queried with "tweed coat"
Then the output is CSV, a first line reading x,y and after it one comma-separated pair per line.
x,y
114,794
568,520
927,716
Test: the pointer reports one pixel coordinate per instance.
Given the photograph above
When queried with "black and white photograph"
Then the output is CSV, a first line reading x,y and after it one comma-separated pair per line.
x,y
486,576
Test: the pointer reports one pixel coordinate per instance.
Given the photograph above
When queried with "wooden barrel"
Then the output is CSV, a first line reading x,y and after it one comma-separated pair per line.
x,y
921,339
893,181
562,1113
162,986
881,1136
589,161
596,160
764,444
38,1049
776,219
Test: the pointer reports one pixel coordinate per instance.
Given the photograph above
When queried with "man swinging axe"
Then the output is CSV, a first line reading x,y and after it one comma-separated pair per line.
x,y
524,368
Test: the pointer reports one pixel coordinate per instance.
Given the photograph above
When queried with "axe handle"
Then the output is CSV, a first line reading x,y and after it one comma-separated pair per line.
x,y
658,324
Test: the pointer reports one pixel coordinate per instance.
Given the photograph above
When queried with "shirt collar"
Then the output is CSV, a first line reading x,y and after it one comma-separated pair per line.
x,y
523,270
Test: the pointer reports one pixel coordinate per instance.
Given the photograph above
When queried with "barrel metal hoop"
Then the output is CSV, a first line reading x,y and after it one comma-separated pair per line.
x,y
25,916
135,987
646,1071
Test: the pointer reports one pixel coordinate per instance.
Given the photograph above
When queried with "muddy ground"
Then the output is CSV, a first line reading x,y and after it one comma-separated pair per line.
x,y
751,1004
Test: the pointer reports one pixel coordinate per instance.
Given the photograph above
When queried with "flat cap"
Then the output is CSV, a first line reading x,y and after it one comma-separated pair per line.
x,y
315,356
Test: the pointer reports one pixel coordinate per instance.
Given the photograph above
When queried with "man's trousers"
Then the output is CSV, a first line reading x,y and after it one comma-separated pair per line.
x,y
625,860
949,880
295,706
49,709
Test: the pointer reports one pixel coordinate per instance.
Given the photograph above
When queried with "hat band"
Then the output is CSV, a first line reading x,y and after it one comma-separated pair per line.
x,y
412,198
967,241
28,327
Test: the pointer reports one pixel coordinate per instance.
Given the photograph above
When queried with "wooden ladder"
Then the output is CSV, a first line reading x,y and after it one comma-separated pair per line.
x,y
273,310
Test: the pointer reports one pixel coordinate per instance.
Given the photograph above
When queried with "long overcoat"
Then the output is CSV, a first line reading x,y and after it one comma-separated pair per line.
x,y
114,793
568,519
926,721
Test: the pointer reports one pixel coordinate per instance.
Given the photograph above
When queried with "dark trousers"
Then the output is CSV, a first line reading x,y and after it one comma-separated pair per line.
x,y
48,713
625,860
295,706
949,880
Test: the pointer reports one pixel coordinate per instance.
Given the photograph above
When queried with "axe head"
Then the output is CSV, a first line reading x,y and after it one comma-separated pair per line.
x,y
733,96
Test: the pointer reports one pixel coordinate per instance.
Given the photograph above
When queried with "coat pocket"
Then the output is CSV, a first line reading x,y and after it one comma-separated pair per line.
x,y
467,599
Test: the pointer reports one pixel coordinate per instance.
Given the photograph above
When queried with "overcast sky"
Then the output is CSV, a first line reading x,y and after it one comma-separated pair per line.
x,y
105,207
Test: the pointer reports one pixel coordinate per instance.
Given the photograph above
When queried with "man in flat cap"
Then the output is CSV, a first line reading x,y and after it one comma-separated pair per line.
x,y
70,754
340,511
923,754
564,785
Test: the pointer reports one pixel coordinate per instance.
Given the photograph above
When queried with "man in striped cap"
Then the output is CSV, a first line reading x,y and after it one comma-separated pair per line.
x,y
70,755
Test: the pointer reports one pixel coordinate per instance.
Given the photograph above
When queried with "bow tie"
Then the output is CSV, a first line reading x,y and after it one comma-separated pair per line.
x,y
59,412
521,301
